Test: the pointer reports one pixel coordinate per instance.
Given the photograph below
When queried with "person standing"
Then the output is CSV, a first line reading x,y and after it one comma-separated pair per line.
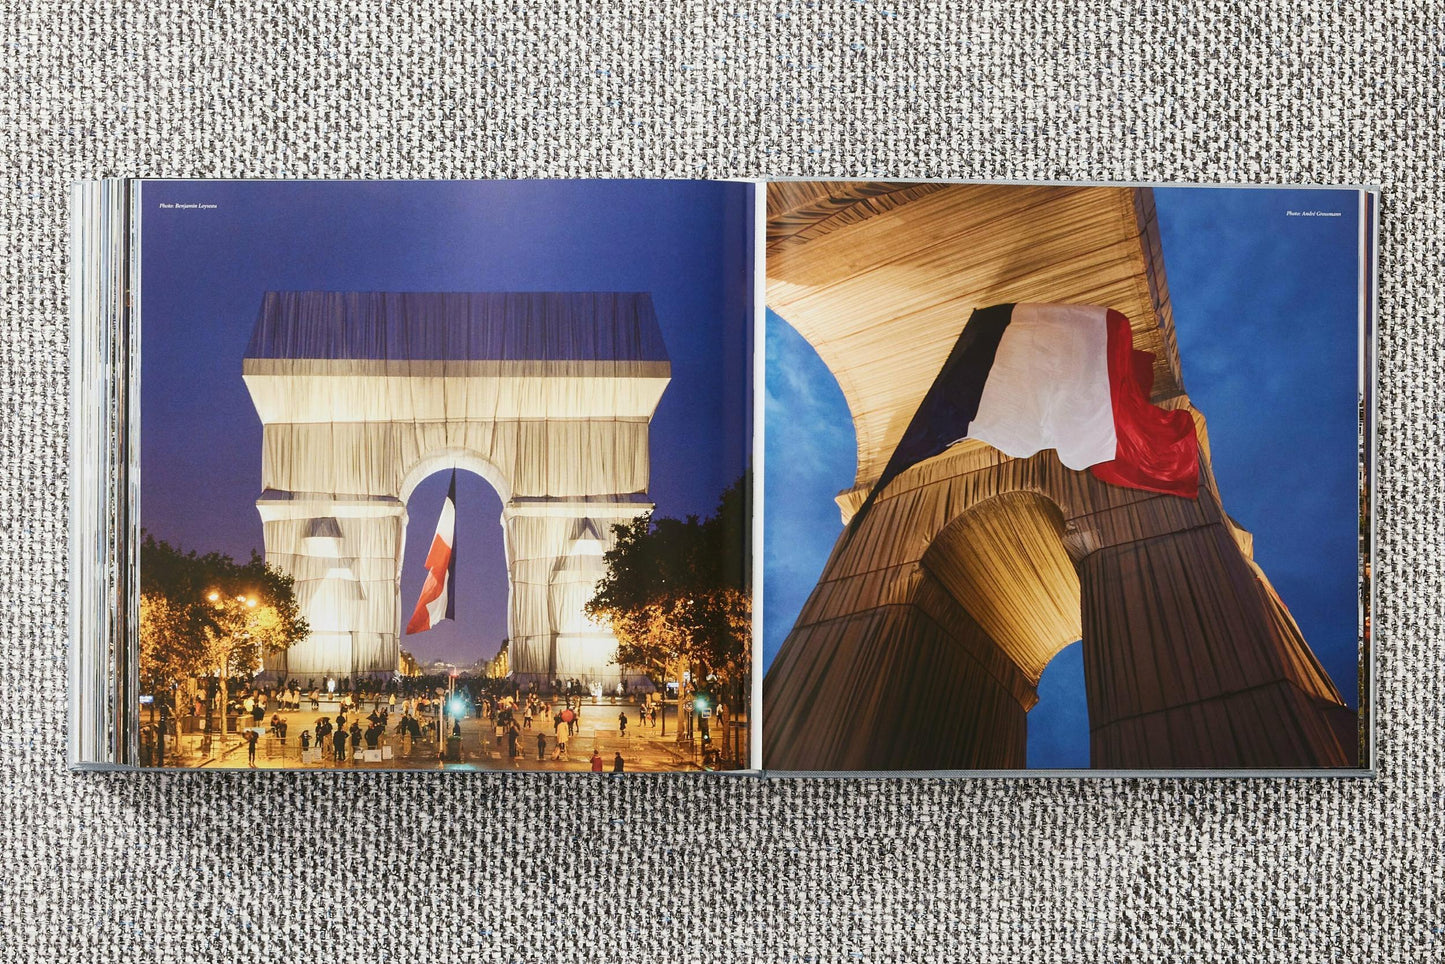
x,y
622,723
617,764
251,740
339,740
596,762
561,752
541,744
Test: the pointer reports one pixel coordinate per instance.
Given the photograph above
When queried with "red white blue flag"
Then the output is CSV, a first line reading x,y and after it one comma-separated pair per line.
x,y
1029,377
436,602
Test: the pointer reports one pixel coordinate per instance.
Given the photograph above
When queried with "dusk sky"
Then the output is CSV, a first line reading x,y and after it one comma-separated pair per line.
x,y
1266,314
205,270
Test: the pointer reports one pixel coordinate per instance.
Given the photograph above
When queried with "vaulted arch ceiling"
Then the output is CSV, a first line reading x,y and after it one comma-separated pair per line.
x,y
880,277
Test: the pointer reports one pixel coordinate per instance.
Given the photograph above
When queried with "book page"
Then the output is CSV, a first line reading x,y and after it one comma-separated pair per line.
x,y
1066,478
446,475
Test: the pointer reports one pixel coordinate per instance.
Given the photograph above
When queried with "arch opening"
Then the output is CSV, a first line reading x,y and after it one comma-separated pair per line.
x,y
1006,563
482,593
454,457
1058,725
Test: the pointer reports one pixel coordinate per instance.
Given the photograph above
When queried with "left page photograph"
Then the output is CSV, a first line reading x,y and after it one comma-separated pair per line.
x,y
444,475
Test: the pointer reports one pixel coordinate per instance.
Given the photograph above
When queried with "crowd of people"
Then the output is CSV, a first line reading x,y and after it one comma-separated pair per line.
x,y
399,716
552,727
510,717
333,738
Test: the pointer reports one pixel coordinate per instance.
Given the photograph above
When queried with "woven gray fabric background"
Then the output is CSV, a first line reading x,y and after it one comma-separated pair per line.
x,y
459,867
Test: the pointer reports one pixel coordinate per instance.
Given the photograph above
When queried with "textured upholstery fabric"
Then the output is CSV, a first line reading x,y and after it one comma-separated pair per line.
x,y
413,867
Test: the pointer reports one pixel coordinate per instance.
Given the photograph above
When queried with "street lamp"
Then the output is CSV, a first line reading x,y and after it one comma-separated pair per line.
x,y
441,747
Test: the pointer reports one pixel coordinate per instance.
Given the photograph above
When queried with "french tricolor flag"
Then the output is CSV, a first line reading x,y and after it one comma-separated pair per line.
x,y
436,603
1029,377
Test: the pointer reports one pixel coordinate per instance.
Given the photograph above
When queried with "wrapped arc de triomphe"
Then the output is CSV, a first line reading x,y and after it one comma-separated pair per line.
x,y
923,643
548,396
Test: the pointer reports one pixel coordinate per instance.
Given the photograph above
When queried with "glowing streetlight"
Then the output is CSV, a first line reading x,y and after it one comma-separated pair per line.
x,y
214,597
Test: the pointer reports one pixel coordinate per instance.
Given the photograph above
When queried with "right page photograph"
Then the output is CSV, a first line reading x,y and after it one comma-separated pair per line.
x,y
1067,477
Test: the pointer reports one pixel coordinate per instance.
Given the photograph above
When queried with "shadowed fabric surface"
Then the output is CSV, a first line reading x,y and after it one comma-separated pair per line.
x,y
413,867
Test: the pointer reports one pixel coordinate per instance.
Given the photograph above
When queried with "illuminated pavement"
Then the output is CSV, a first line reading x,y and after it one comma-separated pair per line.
x,y
644,749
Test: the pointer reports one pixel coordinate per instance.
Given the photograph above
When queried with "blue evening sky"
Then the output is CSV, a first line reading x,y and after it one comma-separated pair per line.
x,y
1266,314
688,243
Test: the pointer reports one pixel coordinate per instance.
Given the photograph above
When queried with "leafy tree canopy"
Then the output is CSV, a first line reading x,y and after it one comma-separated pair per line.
x,y
200,614
677,592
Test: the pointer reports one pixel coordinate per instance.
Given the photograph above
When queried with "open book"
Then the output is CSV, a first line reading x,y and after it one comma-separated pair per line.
x,y
751,476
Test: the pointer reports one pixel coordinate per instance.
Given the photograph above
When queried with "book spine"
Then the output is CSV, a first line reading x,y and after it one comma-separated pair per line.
x,y
102,620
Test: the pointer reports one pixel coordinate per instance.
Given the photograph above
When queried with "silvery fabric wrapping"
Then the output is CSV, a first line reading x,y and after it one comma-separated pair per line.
x,y
420,867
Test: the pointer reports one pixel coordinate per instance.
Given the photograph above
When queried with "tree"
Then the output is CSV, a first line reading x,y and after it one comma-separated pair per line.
x,y
721,617
677,596
644,595
204,614
170,644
